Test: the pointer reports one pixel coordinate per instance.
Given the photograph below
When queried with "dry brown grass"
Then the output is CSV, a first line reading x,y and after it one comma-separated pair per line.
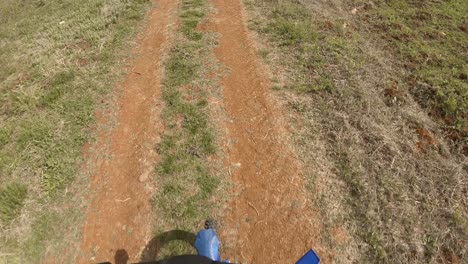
x,y
389,186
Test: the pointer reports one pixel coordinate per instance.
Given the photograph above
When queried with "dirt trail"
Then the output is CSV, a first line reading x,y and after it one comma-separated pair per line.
x,y
119,214
270,220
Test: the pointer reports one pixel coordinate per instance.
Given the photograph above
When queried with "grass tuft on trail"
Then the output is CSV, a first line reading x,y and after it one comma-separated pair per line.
x,y
184,174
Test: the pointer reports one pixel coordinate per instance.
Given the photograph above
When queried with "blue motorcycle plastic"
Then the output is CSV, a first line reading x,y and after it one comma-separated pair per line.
x,y
207,245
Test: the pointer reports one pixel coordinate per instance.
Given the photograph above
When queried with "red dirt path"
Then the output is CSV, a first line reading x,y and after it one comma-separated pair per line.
x,y
269,221
119,214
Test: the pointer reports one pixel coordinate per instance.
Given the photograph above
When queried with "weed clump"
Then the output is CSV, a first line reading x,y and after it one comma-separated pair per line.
x,y
188,141
12,199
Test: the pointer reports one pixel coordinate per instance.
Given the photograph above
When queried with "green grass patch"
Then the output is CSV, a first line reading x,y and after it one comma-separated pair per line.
x,y
4,136
44,230
12,199
57,88
192,13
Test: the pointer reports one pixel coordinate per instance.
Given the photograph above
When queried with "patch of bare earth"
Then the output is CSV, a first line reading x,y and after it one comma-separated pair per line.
x,y
119,213
269,220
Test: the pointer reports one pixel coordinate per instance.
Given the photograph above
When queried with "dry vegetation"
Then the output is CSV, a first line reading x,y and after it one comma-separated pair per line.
x,y
57,60
381,159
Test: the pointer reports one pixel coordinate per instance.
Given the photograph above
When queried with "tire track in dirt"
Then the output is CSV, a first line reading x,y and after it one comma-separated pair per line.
x,y
119,213
270,220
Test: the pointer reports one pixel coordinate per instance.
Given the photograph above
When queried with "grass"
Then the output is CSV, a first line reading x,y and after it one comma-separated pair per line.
x,y
58,60
430,39
292,26
380,168
186,180
44,229
11,201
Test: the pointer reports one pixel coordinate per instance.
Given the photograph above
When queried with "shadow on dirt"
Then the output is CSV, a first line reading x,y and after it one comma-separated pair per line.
x,y
121,256
151,251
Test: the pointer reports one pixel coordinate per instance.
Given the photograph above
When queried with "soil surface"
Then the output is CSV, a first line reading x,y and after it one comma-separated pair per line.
x,y
118,218
269,220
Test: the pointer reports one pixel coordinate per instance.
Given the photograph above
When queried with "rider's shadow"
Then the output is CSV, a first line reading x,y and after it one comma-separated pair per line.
x,y
121,257
154,246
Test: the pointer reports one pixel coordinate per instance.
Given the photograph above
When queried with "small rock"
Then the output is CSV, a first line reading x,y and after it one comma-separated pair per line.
x,y
144,177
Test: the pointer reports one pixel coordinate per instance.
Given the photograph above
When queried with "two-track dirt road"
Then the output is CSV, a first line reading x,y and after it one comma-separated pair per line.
x,y
269,221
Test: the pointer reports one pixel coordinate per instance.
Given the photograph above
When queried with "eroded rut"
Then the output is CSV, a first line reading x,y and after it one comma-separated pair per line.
x,y
119,214
270,220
